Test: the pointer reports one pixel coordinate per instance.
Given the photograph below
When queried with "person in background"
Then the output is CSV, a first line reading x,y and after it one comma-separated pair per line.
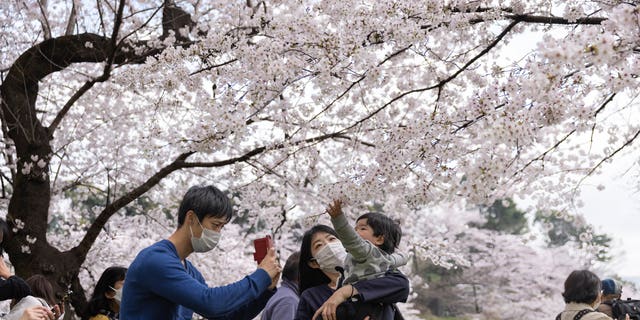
x,y
42,294
105,300
582,295
163,284
611,290
11,286
36,313
283,304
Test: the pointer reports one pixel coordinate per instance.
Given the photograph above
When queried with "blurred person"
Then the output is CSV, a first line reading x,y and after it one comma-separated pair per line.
x,y
611,290
37,313
42,294
11,286
163,284
582,295
283,304
105,300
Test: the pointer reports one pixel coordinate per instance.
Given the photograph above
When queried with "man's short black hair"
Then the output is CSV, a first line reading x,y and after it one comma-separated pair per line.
x,y
582,286
385,226
291,267
205,201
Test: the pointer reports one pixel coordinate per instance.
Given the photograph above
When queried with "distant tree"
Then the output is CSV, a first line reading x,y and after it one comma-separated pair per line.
x,y
561,228
504,216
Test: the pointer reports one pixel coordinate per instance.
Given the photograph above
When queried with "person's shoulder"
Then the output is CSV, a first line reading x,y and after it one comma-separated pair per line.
x,y
31,301
595,315
162,247
99,317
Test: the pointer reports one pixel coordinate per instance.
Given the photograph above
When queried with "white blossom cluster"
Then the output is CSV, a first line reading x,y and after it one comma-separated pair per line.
x,y
405,104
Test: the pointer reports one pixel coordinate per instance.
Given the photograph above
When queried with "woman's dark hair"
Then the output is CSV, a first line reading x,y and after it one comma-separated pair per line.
x,y
105,284
205,201
384,226
310,277
41,288
582,286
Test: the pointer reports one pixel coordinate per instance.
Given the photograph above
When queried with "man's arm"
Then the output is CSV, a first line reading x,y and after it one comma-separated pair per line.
x,y
167,278
249,311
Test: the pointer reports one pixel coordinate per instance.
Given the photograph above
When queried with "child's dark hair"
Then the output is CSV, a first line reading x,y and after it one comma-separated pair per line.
x,y
384,226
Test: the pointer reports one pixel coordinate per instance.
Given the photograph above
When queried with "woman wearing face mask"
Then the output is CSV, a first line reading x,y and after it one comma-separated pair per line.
x,y
105,301
163,284
321,260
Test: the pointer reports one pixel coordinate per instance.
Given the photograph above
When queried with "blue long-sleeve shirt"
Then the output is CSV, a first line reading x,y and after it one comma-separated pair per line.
x,y
158,286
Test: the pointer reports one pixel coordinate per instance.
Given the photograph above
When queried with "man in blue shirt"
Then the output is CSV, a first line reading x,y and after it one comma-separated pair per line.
x,y
162,284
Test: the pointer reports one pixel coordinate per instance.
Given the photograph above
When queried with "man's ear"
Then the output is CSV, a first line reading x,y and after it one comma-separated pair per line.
x,y
110,294
191,214
313,264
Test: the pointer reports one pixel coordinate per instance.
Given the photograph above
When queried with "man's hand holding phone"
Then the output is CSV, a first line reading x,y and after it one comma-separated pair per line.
x,y
266,257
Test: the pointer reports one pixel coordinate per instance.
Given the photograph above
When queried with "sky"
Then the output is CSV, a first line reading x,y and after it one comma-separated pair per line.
x,y
616,212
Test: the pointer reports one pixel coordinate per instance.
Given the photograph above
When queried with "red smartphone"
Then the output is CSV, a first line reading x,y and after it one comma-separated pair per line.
x,y
261,245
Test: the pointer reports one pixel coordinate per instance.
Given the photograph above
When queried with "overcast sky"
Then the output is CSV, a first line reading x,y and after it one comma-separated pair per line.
x,y
616,211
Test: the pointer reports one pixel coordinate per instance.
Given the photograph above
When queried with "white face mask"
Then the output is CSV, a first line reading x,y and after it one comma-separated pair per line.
x,y
207,241
332,255
118,296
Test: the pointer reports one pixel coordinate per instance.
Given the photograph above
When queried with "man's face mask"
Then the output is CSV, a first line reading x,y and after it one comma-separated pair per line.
x,y
207,241
332,255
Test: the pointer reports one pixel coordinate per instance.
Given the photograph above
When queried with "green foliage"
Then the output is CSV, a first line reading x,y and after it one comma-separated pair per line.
x,y
561,229
504,216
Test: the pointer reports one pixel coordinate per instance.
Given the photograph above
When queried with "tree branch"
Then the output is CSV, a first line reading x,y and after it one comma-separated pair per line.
x,y
106,73
94,230
442,82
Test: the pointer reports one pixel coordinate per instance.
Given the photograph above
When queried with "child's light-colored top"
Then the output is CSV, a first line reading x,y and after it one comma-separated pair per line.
x,y
364,259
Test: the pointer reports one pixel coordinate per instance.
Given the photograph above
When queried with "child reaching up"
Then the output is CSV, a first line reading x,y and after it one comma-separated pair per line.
x,y
370,245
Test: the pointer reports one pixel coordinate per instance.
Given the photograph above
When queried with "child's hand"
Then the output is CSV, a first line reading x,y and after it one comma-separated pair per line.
x,y
335,209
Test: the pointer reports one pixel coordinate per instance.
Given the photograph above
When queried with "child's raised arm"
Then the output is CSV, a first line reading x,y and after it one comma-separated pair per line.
x,y
335,209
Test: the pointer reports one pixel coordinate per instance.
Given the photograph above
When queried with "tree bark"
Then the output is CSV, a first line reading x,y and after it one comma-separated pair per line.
x,y
28,248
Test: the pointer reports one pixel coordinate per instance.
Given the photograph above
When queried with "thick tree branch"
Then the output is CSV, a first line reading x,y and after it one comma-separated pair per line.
x,y
94,230
555,20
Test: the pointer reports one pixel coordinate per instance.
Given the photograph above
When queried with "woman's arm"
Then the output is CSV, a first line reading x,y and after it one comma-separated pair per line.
x,y
11,287
392,288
